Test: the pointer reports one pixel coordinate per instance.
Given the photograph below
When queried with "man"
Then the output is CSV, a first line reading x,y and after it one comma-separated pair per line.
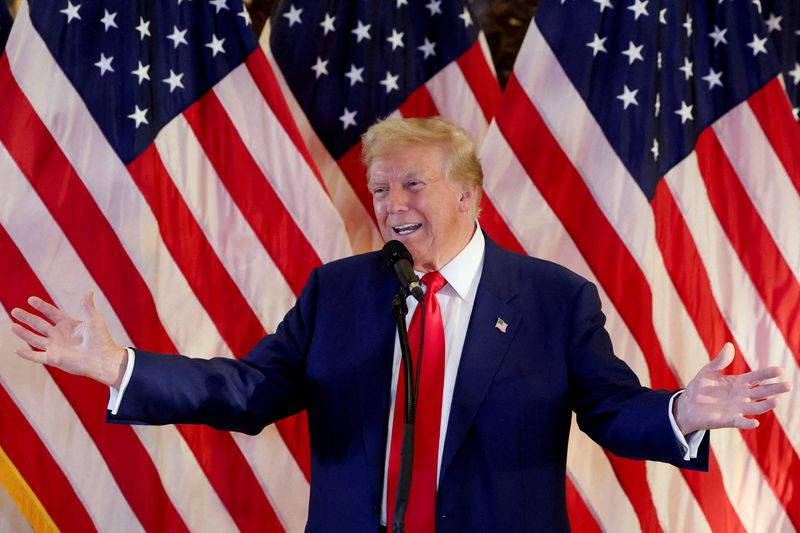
x,y
518,343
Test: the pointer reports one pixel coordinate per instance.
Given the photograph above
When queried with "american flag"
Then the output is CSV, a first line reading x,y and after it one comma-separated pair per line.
x,y
651,147
147,152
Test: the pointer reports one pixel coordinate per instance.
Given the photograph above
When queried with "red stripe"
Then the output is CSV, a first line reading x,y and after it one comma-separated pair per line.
x,y
419,104
751,239
55,180
42,474
481,79
497,228
128,461
252,193
611,262
267,83
187,245
773,110
276,230
356,173
581,518
769,445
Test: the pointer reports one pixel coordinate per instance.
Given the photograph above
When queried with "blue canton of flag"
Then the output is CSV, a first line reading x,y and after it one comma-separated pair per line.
x,y
137,65
351,63
782,18
5,25
652,96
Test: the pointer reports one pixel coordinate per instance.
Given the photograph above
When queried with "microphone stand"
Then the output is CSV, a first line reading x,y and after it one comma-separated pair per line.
x,y
400,310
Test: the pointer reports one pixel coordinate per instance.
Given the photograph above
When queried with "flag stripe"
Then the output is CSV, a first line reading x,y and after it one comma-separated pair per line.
x,y
51,257
769,446
477,72
580,516
419,104
138,314
37,467
20,508
774,112
574,205
750,238
186,243
265,212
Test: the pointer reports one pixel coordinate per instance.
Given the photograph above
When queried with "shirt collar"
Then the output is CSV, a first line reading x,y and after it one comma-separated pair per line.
x,y
462,269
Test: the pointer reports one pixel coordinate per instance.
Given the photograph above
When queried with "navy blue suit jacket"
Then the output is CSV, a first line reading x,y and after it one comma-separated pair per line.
x,y
503,465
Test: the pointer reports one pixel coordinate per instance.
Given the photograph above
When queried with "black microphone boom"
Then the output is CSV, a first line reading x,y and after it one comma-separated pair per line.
x,y
399,258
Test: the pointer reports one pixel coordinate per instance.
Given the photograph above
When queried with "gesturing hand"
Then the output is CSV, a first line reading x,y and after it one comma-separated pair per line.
x,y
713,400
79,347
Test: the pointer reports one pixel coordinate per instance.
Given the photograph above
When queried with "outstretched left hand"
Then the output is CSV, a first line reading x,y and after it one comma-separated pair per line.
x,y
713,400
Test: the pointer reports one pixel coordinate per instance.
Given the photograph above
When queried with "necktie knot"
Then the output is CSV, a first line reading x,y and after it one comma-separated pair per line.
x,y
434,281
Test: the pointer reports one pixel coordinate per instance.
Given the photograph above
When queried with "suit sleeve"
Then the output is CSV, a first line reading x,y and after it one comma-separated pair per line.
x,y
611,405
245,395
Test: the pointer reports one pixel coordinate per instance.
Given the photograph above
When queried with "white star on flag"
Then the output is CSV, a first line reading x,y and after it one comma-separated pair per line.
x,y
104,64
713,79
361,31
71,11
219,5
603,4
355,75
293,15
628,97
633,52
216,45
758,45
327,23
174,80
685,112
143,28
177,37
348,118
597,45
390,82
466,17
639,8
138,116
427,48
142,72
396,39
435,7
320,68
718,35
108,20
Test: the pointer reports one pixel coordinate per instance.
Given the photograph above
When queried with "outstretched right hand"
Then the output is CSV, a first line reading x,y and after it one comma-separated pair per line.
x,y
82,347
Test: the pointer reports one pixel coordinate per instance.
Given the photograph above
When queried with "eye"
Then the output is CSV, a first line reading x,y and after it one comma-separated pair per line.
x,y
379,191
414,184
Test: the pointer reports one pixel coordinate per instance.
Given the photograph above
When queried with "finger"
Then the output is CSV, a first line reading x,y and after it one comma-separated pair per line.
x,y
32,355
757,408
35,321
762,374
723,359
769,390
50,311
745,423
87,303
37,341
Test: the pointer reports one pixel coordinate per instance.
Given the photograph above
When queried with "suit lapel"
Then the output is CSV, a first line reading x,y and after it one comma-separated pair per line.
x,y
484,348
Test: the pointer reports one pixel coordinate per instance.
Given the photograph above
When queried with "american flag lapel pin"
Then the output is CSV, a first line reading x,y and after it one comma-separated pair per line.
x,y
501,325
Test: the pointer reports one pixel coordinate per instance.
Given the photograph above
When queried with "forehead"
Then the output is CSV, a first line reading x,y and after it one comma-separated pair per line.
x,y
408,160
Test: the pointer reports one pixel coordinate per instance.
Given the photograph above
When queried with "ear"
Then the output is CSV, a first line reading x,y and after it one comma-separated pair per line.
x,y
466,199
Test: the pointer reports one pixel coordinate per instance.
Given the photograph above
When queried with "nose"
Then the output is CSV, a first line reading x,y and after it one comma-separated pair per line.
x,y
396,200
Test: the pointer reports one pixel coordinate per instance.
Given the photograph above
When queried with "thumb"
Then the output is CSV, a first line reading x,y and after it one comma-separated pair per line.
x,y
87,303
725,357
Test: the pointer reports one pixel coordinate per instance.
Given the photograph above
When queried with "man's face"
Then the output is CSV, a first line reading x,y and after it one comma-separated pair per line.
x,y
416,204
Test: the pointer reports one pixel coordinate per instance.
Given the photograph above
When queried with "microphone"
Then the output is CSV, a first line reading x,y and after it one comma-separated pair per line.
x,y
399,258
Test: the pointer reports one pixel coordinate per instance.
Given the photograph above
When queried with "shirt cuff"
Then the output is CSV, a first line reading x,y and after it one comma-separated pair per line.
x,y
690,443
115,396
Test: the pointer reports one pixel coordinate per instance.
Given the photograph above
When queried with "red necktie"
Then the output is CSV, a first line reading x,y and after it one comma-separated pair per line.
x,y
420,514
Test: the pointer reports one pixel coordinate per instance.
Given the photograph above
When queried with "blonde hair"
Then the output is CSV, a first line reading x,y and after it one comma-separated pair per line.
x,y
461,162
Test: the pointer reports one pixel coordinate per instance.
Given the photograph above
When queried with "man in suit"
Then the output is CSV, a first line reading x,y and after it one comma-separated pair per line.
x,y
519,344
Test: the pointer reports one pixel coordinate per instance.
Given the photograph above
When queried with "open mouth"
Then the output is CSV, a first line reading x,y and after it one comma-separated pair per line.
x,y
406,229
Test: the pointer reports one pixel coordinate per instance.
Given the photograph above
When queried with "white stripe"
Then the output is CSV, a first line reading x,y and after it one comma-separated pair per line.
x,y
61,271
591,473
487,53
32,388
540,232
455,100
743,310
11,519
361,229
276,155
109,183
228,232
763,177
